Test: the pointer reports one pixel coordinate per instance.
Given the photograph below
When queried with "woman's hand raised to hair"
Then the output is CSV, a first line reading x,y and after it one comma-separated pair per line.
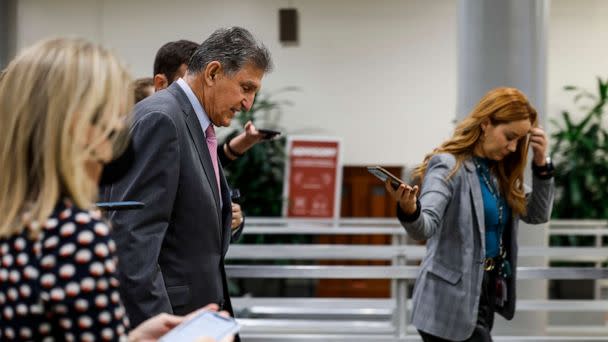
x,y
538,142
405,195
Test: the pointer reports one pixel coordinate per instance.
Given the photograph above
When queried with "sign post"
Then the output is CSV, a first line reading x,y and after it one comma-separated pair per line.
x,y
313,177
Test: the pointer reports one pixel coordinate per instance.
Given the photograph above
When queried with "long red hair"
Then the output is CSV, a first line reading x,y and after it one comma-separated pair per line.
x,y
500,105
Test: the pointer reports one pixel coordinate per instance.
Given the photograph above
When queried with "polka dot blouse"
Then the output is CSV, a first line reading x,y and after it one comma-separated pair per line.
x,y
63,285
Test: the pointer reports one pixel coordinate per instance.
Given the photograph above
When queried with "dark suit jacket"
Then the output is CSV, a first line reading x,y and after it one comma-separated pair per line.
x,y
171,253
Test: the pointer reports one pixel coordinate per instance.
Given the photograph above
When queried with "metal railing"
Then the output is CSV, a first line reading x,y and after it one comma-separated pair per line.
x,y
376,252
375,320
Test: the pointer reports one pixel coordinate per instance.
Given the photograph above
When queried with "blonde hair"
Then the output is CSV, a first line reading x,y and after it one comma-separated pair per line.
x,y
500,105
50,97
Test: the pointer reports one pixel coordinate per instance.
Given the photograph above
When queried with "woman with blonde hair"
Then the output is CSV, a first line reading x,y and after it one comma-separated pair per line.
x,y
472,197
63,106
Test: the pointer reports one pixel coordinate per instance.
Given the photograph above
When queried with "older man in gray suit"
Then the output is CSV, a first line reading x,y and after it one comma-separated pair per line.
x,y
171,253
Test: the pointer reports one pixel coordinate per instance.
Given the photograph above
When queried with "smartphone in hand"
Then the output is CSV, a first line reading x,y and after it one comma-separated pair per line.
x,y
235,195
268,133
125,205
383,175
204,324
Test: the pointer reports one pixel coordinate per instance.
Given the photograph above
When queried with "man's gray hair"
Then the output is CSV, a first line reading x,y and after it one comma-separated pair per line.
x,y
233,48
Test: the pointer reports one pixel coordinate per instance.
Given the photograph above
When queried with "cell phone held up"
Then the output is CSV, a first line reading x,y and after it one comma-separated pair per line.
x,y
382,174
268,134
124,205
235,195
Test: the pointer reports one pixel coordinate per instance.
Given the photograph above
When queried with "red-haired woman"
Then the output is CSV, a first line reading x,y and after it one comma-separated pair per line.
x,y
471,199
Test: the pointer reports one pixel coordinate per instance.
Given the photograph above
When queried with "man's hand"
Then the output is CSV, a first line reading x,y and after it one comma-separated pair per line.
x,y
237,216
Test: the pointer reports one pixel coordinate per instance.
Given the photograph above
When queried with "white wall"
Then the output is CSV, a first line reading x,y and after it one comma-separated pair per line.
x,y
380,74
577,50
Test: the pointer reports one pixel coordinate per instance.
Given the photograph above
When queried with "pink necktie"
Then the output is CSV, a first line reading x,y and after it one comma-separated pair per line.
x,y
212,145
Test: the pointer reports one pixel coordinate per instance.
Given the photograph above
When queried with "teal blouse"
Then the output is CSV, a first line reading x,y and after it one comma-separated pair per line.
x,y
495,207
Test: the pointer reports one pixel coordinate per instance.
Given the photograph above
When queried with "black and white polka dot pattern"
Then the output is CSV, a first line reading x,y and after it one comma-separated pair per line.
x,y
63,286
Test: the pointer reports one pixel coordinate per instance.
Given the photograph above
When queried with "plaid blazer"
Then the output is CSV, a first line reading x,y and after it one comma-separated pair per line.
x,y
448,287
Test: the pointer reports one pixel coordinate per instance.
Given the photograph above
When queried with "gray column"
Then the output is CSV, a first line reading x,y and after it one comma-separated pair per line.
x,y
8,32
504,43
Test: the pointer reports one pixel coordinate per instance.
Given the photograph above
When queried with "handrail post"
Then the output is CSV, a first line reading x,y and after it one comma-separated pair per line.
x,y
598,264
400,316
395,241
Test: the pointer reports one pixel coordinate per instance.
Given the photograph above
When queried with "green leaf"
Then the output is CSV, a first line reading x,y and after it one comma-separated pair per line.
x,y
584,94
567,120
580,153
259,173
602,88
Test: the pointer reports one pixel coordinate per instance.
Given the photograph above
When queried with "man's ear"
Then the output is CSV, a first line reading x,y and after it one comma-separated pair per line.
x,y
212,72
160,82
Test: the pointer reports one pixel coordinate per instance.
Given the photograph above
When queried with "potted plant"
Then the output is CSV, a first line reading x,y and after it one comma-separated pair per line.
x,y
259,176
580,155
259,173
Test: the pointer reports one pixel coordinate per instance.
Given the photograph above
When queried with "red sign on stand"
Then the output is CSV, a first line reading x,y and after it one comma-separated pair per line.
x,y
313,177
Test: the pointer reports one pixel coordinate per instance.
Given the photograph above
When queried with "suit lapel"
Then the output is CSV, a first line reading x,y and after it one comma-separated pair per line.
x,y
198,138
476,199
227,226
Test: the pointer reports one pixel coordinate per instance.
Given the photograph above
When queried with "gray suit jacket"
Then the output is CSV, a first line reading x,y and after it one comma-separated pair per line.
x,y
171,253
446,295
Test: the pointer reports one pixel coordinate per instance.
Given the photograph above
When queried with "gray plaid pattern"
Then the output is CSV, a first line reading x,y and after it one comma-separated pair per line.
x,y
446,295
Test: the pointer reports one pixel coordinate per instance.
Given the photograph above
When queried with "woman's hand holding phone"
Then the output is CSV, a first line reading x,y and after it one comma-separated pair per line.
x,y
159,325
405,195
155,327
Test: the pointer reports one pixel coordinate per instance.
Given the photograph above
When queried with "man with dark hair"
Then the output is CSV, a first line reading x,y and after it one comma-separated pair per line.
x,y
171,253
142,88
171,62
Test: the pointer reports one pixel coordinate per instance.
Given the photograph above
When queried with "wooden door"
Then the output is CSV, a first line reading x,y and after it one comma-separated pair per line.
x,y
363,195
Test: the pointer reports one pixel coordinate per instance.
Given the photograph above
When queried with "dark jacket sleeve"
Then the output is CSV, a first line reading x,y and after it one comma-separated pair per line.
x,y
153,180
224,160
221,154
539,201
